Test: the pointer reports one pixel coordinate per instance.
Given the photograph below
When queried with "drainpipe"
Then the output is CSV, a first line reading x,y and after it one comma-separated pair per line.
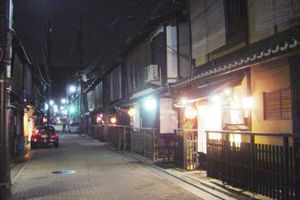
x,y
5,69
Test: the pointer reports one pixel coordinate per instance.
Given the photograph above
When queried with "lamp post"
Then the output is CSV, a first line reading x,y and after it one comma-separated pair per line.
x,y
5,69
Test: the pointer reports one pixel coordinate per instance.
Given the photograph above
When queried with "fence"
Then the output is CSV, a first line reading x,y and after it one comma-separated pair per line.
x,y
119,136
186,151
270,170
97,132
144,141
166,147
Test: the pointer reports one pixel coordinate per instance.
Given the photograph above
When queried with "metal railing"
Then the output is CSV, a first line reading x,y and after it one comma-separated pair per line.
x,y
252,164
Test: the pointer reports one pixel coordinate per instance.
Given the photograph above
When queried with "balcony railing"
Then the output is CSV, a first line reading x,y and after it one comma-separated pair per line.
x,y
255,163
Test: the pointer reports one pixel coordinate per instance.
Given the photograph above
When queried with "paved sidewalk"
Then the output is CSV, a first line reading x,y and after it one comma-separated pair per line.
x,y
100,174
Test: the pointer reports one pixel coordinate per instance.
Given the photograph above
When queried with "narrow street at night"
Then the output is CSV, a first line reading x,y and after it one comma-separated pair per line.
x,y
101,173
150,99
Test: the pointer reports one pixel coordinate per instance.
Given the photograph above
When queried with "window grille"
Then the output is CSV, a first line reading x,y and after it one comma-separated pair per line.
x,y
277,104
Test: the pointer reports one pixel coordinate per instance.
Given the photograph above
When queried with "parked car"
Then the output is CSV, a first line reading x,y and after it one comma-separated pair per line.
x,y
44,135
74,127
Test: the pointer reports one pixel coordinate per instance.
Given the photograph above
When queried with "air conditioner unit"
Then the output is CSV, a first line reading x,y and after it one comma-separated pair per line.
x,y
151,74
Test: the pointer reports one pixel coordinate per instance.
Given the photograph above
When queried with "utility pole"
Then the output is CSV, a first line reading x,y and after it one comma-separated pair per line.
x,y
5,70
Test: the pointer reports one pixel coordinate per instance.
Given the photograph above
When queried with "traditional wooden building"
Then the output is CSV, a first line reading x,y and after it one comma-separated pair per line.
x,y
26,99
244,90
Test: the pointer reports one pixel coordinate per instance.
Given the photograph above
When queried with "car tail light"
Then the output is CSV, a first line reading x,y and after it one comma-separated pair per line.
x,y
34,134
55,135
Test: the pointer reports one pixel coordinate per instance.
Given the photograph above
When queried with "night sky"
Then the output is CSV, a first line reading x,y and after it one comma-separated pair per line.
x,y
106,25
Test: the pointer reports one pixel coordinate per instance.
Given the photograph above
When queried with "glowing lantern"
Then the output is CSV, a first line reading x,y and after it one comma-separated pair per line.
x,y
113,120
99,119
190,112
131,112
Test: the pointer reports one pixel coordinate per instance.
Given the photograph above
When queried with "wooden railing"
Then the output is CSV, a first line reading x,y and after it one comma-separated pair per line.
x,y
119,136
97,132
266,169
144,141
186,150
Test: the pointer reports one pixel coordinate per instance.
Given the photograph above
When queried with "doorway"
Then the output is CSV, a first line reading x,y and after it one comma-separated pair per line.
x,y
209,118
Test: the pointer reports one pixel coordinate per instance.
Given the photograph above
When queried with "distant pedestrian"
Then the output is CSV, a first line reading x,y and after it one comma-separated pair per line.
x,y
64,125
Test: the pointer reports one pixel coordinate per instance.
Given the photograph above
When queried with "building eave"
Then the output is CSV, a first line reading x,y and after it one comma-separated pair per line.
x,y
275,46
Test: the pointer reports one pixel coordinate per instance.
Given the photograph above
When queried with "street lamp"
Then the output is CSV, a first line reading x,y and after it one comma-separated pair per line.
x,y
46,106
72,109
63,101
55,108
72,89
51,102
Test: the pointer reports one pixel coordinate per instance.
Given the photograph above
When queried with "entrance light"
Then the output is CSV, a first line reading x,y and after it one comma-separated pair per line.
x,y
183,101
228,91
190,112
247,103
150,104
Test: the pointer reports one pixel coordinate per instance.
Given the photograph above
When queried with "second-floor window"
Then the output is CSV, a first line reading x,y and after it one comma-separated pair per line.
x,y
98,95
207,26
236,16
172,51
115,84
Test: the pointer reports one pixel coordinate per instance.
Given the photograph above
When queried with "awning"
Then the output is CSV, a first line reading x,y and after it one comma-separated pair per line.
x,y
135,100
